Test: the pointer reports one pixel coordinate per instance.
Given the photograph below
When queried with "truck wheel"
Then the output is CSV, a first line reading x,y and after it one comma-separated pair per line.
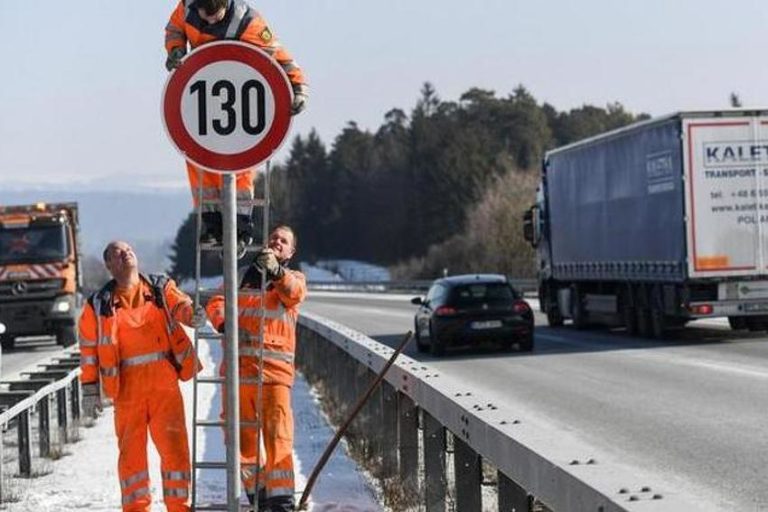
x,y
578,314
7,342
737,323
630,314
643,322
658,325
554,318
65,336
755,323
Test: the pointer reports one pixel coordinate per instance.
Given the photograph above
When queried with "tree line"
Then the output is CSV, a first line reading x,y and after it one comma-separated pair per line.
x,y
439,188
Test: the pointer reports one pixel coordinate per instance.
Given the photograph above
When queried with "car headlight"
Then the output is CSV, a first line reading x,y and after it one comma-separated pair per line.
x,y
62,304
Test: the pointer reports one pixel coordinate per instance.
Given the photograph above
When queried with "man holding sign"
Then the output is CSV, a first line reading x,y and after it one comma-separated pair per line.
x,y
197,22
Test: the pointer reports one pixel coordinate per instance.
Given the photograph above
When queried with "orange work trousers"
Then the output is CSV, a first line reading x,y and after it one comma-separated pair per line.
x,y
276,474
212,186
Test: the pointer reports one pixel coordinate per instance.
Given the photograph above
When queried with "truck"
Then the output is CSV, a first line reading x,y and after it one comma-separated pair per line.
x,y
656,224
41,276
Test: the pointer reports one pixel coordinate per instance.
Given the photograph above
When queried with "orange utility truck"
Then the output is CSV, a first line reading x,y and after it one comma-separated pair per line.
x,y
40,271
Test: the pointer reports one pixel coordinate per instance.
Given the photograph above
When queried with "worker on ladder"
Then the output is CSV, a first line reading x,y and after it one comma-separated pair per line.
x,y
285,291
202,21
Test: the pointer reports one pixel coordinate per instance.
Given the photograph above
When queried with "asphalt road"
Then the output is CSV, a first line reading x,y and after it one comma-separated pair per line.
x,y
691,409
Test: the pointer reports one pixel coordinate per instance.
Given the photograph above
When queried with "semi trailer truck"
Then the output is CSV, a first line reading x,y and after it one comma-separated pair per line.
x,y
656,224
40,271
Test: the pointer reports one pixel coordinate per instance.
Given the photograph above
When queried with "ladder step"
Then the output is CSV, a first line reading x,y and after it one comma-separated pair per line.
x,y
222,380
222,423
239,202
207,335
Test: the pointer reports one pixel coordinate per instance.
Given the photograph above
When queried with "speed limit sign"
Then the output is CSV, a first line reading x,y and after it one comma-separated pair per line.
x,y
227,107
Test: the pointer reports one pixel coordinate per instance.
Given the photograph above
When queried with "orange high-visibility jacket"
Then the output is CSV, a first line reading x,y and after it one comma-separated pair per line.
x,y
282,301
102,353
241,23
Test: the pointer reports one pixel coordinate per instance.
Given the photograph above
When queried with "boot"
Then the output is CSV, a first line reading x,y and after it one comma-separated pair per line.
x,y
279,504
211,230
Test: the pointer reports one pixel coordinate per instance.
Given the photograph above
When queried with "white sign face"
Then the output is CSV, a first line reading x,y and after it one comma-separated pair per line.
x,y
727,171
227,115
227,107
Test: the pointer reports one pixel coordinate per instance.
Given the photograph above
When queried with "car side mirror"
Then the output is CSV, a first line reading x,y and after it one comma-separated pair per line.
x,y
417,301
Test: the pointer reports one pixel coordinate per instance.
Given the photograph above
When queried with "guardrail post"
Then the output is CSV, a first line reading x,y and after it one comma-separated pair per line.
x,y
44,426
467,471
2,466
409,445
25,447
434,463
61,408
388,429
512,497
75,385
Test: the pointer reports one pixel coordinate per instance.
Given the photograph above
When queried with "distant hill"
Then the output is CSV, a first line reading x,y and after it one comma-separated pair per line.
x,y
148,220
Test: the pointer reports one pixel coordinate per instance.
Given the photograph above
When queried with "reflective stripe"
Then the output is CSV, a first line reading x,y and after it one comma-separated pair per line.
x,y
255,312
88,360
237,18
181,357
109,372
138,477
87,343
268,354
176,475
279,491
175,492
105,340
280,475
143,359
138,493
289,66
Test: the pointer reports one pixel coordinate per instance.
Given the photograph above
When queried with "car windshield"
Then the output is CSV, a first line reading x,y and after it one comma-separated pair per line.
x,y
33,244
476,293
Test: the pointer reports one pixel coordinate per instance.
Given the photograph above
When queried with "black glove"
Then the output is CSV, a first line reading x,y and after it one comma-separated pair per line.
x,y
267,261
300,99
252,277
91,400
174,58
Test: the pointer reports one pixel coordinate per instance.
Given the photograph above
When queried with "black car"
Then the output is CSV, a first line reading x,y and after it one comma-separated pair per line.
x,y
471,309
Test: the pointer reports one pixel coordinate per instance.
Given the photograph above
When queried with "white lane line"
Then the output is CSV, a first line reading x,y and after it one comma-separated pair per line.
x,y
669,356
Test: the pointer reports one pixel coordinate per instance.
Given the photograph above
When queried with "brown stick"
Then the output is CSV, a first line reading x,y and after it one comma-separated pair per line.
x,y
360,403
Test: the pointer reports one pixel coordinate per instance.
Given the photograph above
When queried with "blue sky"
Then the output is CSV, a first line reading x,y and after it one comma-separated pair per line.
x,y
81,81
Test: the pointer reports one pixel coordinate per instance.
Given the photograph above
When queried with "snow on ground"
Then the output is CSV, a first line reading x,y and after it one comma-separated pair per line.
x,y
85,479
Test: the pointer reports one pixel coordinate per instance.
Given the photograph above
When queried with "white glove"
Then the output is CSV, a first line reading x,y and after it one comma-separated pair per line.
x,y
300,99
267,261
91,400
199,318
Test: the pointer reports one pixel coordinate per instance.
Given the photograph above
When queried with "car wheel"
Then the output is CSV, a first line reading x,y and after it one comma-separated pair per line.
x,y
65,336
526,343
436,346
7,342
420,345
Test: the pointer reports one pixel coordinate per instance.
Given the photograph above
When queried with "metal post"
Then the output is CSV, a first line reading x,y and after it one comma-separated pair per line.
x,y
61,409
231,343
389,430
75,386
434,463
44,426
25,446
512,497
466,467
409,447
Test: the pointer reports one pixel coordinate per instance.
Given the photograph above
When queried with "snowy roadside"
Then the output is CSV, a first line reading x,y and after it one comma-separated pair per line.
x,y
85,478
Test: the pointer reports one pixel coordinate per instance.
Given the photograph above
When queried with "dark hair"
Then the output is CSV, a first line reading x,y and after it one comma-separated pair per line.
x,y
211,7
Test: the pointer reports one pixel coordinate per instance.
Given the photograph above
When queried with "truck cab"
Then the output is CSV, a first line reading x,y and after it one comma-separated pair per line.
x,y
40,272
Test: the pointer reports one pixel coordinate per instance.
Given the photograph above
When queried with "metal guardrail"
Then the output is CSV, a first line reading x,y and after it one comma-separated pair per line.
x,y
55,383
419,408
524,285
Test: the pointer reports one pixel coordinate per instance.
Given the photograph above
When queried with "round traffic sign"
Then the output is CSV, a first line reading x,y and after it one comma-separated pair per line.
x,y
227,107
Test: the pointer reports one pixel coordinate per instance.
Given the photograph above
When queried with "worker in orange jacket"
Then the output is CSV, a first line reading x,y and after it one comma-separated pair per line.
x,y
202,21
132,346
285,291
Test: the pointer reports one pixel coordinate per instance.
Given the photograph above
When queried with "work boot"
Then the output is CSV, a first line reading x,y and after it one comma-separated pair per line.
x,y
210,232
279,504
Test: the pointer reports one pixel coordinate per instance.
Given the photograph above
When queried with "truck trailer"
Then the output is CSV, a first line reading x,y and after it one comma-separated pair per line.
x,y
40,271
656,224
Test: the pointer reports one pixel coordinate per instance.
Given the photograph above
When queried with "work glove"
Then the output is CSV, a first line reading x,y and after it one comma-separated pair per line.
x,y
199,318
300,99
91,400
174,58
266,261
